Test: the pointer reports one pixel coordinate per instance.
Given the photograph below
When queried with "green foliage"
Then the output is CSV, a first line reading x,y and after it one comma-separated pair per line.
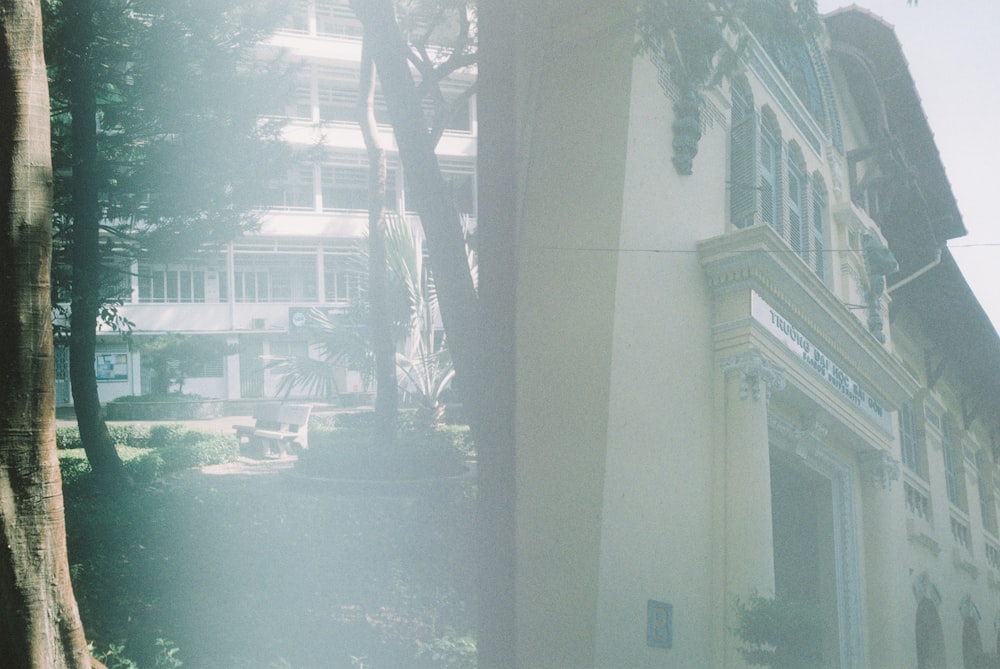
x,y
451,650
348,452
181,448
114,657
148,452
126,435
241,573
779,632
699,43
165,397
174,357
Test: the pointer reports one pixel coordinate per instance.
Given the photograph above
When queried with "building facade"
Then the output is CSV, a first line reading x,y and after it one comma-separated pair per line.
x,y
766,376
253,292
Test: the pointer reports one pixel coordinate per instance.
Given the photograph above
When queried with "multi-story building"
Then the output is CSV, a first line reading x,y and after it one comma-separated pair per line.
x,y
252,293
767,375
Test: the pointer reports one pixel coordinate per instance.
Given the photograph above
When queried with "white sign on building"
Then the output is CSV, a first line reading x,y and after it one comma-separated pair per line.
x,y
818,361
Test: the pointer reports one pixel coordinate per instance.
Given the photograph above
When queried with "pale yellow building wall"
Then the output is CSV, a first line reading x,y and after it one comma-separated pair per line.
x,y
657,520
643,470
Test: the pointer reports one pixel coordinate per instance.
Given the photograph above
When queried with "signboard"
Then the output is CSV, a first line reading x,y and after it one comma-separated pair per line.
x,y
112,367
300,318
818,361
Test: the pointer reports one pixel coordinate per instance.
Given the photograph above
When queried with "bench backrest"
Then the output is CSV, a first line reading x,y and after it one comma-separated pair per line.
x,y
266,416
294,417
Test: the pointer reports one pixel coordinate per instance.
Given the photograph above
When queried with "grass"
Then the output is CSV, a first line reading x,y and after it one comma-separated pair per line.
x,y
247,571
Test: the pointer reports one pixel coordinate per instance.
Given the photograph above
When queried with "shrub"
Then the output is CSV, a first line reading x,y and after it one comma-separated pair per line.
x,y
73,465
181,448
161,397
134,436
68,437
349,453
778,632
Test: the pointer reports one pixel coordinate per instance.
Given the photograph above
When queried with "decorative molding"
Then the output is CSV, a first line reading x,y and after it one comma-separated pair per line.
x,y
921,538
924,588
958,558
881,467
755,370
968,609
879,263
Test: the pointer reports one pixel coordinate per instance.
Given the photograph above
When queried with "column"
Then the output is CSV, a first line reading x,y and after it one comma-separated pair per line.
x,y
744,490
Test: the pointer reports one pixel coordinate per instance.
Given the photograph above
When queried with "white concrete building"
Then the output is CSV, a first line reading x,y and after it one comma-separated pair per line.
x,y
250,293
724,382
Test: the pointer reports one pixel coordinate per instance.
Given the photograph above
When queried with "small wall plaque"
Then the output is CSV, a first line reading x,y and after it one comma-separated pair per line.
x,y
659,624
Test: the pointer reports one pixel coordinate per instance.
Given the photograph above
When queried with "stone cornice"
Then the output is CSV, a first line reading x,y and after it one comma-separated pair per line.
x,y
755,258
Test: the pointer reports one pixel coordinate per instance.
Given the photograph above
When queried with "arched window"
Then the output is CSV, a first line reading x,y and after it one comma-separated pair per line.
x,y
743,156
818,204
797,203
755,163
930,637
972,645
769,171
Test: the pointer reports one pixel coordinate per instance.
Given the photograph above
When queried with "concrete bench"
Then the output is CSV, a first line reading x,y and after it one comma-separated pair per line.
x,y
291,432
265,417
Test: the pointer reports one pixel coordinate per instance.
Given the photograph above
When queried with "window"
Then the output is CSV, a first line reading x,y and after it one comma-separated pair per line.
x,y
174,283
953,468
911,448
293,190
768,171
250,286
984,481
341,284
346,187
206,369
818,224
275,277
960,533
769,182
797,203
334,17
917,503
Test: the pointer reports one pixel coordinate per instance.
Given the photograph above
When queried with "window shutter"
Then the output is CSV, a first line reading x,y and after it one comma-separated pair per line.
x,y
798,241
743,171
818,226
908,440
769,185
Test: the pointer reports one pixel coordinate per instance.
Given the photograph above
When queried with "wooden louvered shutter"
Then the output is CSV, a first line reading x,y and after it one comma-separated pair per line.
x,y
818,227
743,160
769,186
797,239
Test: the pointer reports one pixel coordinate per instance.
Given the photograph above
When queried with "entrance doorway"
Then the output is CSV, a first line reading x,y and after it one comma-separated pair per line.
x,y
805,553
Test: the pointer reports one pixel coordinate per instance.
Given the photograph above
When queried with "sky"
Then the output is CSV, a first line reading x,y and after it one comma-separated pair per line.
x,y
953,49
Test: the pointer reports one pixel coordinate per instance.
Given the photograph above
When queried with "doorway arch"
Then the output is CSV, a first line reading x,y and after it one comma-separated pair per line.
x,y
930,636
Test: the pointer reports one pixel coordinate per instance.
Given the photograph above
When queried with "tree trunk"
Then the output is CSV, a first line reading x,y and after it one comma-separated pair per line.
x,y
386,386
432,201
39,622
482,350
85,255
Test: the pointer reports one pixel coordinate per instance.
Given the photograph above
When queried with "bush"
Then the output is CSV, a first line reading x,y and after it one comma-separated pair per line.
x,y
140,464
67,438
779,632
181,448
134,436
336,452
161,397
